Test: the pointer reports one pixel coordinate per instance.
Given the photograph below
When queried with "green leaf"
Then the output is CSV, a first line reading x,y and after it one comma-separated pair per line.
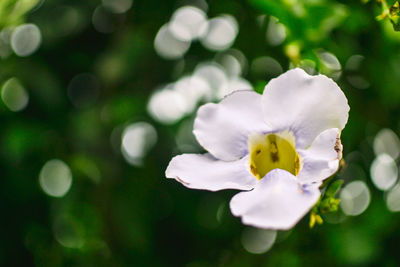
x,y
395,16
333,188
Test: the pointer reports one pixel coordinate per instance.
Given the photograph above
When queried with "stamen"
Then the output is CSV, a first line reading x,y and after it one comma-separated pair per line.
x,y
272,151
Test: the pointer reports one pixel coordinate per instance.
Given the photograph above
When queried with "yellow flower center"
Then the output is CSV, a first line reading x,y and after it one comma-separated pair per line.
x,y
272,151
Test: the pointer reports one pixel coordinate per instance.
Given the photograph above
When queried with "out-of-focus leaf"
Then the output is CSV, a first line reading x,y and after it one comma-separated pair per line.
x,y
12,12
310,21
395,16
334,188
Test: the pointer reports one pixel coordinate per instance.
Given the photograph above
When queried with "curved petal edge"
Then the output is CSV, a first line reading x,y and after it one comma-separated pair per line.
x,y
223,128
278,201
306,105
203,171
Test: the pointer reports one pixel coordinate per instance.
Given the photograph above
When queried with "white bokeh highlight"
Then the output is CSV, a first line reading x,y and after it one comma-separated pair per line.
x,y
330,64
384,172
393,199
221,33
216,78
14,95
187,23
354,198
330,61
387,142
167,105
258,241
168,46
276,32
55,178
231,64
25,39
137,139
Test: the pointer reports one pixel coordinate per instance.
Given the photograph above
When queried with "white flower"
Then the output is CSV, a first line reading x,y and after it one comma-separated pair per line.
x,y
280,145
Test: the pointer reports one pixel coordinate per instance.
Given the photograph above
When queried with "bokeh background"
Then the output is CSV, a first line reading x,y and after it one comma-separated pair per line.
x,y
97,96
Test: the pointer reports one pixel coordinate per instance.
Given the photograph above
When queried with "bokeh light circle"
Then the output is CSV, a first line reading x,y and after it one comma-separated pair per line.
x,y
167,106
69,231
265,67
168,46
258,241
187,23
215,76
55,178
14,95
104,20
276,32
387,142
393,199
221,33
384,172
118,6
354,198
26,39
137,139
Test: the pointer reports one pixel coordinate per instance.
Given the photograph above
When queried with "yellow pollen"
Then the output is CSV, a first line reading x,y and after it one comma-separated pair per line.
x,y
272,151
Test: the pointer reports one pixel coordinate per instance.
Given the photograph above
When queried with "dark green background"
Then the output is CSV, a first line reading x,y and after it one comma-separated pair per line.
x,y
133,216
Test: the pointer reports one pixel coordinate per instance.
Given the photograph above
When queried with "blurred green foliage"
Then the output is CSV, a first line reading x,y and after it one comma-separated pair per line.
x,y
12,12
116,214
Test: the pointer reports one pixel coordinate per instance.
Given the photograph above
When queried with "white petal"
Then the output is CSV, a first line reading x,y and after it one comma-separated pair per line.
x,y
321,160
222,129
198,171
305,104
278,201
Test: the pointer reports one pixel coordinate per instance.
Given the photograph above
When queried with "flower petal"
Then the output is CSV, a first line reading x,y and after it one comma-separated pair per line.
x,y
198,171
222,129
278,201
304,104
321,160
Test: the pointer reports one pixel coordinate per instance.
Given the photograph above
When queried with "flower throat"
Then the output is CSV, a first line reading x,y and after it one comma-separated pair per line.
x,y
272,151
